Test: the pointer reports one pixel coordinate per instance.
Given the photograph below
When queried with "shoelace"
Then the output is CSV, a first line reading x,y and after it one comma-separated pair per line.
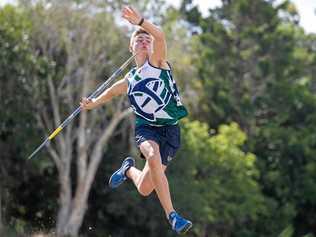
x,y
174,223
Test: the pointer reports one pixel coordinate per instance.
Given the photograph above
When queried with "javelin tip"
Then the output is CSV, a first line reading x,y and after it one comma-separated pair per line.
x,y
38,149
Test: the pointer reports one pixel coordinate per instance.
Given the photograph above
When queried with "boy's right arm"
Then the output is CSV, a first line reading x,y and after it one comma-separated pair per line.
x,y
118,88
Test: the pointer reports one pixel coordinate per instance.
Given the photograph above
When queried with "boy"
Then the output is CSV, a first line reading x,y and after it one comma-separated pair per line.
x,y
155,100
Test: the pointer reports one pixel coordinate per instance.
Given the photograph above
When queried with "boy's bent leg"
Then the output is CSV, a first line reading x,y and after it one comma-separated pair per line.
x,y
150,149
142,179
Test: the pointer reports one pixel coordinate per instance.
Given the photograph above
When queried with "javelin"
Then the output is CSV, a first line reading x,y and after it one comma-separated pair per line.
x,y
78,110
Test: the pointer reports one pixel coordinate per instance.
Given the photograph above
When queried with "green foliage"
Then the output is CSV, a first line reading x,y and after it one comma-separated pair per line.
x,y
14,47
257,68
218,184
287,232
17,132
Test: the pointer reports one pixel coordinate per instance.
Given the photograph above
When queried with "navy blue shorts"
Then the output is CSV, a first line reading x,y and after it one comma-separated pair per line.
x,y
167,137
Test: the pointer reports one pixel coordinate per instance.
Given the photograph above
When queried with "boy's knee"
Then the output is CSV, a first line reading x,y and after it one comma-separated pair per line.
x,y
149,149
150,155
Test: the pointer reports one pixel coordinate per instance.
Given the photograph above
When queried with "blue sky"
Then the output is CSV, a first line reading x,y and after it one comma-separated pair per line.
x,y
306,9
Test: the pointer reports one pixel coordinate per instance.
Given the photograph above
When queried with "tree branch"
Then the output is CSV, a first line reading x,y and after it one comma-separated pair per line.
x,y
97,151
56,112
50,149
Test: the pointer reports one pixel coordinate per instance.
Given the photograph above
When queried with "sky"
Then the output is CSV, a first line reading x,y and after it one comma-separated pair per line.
x,y
306,9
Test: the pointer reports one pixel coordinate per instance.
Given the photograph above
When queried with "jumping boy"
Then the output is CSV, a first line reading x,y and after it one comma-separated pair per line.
x,y
155,100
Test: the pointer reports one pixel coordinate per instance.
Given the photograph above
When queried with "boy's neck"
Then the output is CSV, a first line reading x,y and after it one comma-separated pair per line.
x,y
140,59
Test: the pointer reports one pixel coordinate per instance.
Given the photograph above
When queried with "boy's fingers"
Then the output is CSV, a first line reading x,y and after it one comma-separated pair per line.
x,y
85,101
124,15
133,11
125,11
129,9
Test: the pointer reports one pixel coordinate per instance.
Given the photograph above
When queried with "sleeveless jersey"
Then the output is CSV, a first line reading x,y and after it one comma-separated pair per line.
x,y
154,96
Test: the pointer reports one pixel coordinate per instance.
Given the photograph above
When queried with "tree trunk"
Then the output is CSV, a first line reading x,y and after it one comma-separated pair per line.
x,y
71,213
72,210
65,202
81,46
79,208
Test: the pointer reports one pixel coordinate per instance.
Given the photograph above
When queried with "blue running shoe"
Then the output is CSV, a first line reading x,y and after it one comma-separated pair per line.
x,y
119,176
178,223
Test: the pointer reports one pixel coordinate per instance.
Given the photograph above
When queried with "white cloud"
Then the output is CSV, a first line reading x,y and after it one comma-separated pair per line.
x,y
3,2
306,9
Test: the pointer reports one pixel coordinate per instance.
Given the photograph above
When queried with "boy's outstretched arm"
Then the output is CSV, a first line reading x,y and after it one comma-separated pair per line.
x,y
118,88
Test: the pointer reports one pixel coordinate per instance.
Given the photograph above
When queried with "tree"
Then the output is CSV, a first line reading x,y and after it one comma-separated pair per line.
x,y
249,55
77,44
217,179
17,63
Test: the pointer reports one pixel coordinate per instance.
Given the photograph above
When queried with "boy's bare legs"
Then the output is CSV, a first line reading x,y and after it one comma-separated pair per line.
x,y
150,178
153,176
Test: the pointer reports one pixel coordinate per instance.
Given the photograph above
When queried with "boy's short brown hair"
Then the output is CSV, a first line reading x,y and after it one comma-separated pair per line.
x,y
137,32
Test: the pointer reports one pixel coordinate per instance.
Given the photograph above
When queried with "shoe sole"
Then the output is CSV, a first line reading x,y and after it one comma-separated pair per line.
x,y
186,228
111,186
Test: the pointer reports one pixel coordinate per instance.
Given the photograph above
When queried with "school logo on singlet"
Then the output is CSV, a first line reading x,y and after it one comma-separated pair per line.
x,y
148,98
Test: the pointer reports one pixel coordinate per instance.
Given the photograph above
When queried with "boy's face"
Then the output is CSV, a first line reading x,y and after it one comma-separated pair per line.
x,y
141,43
